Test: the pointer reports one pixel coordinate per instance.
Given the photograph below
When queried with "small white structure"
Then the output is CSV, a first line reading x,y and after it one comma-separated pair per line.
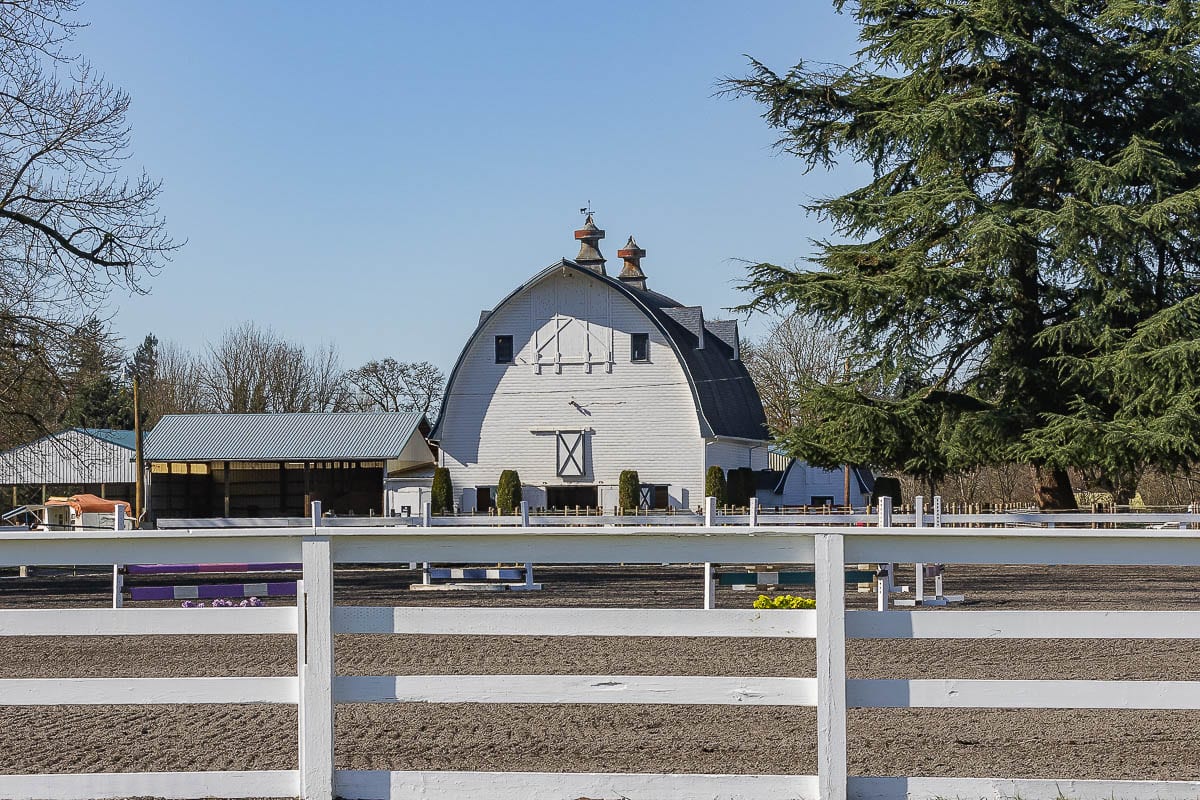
x,y
801,484
407,491
578,375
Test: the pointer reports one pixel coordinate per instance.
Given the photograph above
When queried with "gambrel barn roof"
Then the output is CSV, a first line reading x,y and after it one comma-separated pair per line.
x,y
726,400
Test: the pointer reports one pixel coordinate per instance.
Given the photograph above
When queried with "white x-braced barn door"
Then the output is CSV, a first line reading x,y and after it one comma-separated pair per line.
x,y
572,455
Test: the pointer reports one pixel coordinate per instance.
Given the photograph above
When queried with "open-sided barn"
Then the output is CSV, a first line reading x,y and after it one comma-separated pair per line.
x,y
275,465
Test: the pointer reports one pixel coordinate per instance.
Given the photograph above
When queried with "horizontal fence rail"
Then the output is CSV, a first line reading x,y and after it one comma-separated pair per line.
x,y
316,688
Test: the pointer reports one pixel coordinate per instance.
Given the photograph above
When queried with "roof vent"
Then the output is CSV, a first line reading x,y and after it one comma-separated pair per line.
x,y
632,273
589,237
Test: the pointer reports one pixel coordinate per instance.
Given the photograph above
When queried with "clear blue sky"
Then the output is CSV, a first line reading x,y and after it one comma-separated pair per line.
x,y
374,174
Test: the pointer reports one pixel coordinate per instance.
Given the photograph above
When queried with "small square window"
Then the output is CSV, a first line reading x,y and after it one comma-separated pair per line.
x,y
504,350
639,347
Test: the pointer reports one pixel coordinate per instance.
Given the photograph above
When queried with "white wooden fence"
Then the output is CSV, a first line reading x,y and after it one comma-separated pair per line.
x,y
316,687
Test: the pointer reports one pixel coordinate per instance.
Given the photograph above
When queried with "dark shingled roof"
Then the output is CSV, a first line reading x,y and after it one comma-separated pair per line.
x,y
724,392
722,385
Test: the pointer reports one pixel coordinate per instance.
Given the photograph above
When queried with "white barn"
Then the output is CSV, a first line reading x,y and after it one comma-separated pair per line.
x,y
577,375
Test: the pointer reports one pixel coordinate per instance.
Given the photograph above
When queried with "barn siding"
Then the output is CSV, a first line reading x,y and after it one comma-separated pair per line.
x,y
643,415
731,455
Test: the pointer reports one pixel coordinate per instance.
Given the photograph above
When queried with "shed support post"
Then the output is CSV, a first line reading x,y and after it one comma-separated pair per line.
x,y
314,646
831,666
225,472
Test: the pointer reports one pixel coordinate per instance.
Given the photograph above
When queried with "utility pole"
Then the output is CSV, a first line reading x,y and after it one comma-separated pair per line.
x,y
140,485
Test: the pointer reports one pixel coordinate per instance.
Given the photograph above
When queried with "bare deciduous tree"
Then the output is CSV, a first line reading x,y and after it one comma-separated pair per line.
x,y
391,385
175,386
252,370
793,354
73,223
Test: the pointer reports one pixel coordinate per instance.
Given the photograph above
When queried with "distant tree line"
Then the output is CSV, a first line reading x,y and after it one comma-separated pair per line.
x,y
249,369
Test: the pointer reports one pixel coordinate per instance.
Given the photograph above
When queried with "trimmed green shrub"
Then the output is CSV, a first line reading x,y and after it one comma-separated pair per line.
x,y
740,486
441,497
714,484
888,487
508,492
629,491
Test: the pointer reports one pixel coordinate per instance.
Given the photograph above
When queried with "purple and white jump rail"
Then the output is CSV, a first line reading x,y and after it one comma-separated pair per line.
x,y
211,591
316,687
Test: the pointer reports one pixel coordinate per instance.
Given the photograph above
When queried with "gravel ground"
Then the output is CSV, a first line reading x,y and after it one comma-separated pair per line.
x,y
1013,743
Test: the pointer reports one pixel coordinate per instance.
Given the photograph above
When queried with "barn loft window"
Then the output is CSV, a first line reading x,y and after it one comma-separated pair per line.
x,y
504,350
639,347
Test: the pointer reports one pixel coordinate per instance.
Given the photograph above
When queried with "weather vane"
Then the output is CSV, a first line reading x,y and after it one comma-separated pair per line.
x,y
586,209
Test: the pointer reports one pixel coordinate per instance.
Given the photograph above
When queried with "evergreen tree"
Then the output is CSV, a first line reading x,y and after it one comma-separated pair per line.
x,y
629,491
144,362
1018,279
94,398
714,484
508,491
739,486
441,495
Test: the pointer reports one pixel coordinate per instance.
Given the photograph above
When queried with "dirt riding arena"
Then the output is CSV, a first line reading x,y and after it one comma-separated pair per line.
x,y
620,738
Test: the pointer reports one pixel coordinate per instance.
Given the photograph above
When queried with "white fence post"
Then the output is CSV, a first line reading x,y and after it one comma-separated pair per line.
x,y
710,587
753,511
831,666
528,564
937,511
118,588
426,522
884,584
315,646
919,522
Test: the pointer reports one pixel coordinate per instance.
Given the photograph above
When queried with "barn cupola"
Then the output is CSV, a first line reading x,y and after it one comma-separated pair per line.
x,y
589,237
631,273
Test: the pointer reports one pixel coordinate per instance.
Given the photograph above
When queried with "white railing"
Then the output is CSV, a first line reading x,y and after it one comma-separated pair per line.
x,y
316,688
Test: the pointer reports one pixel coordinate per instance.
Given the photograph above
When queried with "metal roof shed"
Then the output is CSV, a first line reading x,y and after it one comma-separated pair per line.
x,y
250,465
92,460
